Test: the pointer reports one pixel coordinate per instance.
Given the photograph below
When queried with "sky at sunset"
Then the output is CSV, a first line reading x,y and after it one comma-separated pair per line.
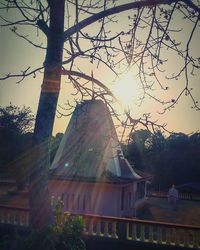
x,y
16,55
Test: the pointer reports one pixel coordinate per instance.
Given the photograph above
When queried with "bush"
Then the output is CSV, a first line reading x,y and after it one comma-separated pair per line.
x,y
65,234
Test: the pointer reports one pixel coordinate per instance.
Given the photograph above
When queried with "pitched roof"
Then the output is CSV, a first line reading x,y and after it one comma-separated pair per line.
x,y
90,148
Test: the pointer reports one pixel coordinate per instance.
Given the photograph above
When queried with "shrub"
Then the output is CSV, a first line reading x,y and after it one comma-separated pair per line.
x,y
65,234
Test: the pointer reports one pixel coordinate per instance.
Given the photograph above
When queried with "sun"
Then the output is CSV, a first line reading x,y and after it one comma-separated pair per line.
x,y
126,90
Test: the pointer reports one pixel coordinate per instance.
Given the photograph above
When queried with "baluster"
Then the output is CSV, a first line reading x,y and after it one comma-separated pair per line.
x,y
142,236
159,235
168,236
186,238
21,218
134,232
7,217
4,216
90,231
187,235
85,226
99,228
128,226
196,239
14,217
11,219
106,229
14,212
173,236
181,237
26,218
193,239
114,230
177,237
11,216
150,228
1,215
17,218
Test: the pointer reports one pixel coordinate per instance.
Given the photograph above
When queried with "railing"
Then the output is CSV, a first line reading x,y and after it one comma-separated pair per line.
x,y
182,196
130,230
11,215
142,231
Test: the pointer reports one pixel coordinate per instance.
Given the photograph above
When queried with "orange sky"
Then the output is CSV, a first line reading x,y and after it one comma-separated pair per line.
x,y
15,55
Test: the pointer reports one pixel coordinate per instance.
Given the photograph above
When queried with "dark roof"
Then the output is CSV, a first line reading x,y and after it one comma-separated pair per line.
x,y
107,177
90,148
143,174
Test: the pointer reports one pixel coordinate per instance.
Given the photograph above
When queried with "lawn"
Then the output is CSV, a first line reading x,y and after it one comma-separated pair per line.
x,y
185,212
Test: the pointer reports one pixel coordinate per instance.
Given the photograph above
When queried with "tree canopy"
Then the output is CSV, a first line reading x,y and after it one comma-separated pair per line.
x,y
16,120
172,160
16,127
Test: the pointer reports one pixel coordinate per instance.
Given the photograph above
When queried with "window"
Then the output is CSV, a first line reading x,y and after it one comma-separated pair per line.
x,y
72,201
67,201
129,199
78,202
84,202
122,198
140,189
89,203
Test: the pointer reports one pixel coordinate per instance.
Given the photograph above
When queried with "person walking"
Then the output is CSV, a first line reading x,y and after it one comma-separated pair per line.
x,y
173,195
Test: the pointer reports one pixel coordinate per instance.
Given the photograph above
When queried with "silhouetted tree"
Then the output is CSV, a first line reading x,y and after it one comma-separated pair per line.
x,y
137,147
174,159
16,120
16,127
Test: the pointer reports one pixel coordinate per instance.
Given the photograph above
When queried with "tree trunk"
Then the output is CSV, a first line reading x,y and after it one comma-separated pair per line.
x,y
40,215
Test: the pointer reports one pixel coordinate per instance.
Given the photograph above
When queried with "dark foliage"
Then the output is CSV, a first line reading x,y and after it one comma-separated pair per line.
x,y
65,234
16,120
16,125
175,159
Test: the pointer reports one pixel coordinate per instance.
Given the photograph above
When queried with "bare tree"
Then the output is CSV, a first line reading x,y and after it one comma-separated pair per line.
x,y
148,42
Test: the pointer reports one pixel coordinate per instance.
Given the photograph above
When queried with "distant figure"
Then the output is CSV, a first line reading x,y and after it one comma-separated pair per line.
x,y
172,195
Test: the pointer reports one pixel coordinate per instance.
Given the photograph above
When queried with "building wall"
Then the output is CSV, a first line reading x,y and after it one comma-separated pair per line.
x,y
134,199
90,198
96,198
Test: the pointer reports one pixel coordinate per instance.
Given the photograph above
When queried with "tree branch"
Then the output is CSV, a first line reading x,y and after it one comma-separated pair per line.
x,y
118,9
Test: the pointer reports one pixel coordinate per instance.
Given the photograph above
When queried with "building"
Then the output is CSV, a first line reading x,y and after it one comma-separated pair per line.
x,y
89,171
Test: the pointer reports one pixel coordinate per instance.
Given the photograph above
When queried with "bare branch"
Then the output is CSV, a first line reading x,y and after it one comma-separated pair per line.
x,y
119,9
22,75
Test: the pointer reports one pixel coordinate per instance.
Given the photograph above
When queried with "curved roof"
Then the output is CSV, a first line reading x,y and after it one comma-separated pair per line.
x,y
90,149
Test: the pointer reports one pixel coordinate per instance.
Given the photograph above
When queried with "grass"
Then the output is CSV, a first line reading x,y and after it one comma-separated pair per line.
x,y
184,212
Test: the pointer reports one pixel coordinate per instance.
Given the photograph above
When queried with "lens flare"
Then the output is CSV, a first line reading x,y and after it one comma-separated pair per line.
x,y
126,90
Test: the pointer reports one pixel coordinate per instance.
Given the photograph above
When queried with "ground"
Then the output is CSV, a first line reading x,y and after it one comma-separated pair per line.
x,y
185,212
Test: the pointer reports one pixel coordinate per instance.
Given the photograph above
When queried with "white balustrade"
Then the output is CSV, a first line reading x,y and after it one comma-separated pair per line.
x,y
14,216
143,231
121,228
